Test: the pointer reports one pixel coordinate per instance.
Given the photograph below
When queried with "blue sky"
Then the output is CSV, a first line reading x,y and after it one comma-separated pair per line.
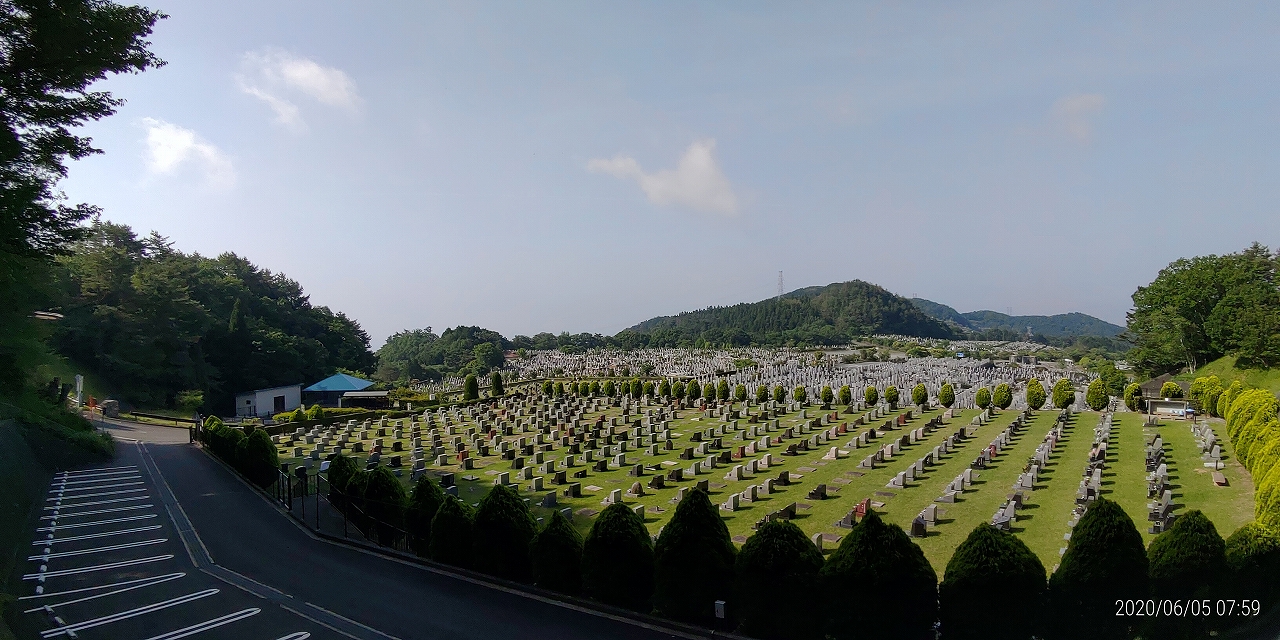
x,y
584,166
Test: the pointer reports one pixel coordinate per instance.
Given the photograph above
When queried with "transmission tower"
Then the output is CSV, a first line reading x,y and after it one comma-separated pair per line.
x,y
779,285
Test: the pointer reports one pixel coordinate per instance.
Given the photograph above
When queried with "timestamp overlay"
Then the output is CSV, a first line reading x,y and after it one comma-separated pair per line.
x,y
1204,608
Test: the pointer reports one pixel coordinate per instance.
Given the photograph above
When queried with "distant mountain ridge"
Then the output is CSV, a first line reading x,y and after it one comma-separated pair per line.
x,y
1060,325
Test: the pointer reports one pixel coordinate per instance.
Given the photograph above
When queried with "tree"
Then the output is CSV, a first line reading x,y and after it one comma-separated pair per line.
x,y
584,388
1188,561
637,388
258,459
557,556
694,559
799,394
1170,389
297,415
1253,559
1133,397
1096,396
740,393
424,502
594,388
451,533
874,559
495,384
316,412
1035,394
991,568
846,395
919,395
647,389
383,502
664,389
947,395
693,391
548,387
982,398
1002,397
470,387
678,390
1105,561
1204,394
891,396
341,470
1064,394
871,396
610,389
617,559
503,530
722,390
775,578
558,389
762,394
827,396
779,394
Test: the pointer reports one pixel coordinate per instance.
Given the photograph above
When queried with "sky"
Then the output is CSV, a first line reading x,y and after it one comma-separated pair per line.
x,y
584,166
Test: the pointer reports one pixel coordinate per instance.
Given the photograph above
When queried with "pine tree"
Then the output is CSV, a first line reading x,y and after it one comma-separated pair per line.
x,y
470,387
1096,396
1188,561
664,389
827,396
383,502
919,395
548,387
799,394
779,394
1064,394
495,384
1035,394
846,395
871,396
982,398
451,533
740,393
891,396
503,530
1133,397
762,394
693,391
610,389
678,390
694,558
424,502
722,390
1002,397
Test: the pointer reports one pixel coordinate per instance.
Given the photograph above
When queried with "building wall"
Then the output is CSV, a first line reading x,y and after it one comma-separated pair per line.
x,y
261,403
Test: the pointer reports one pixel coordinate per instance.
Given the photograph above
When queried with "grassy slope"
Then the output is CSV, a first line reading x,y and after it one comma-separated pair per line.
x,y
1226,370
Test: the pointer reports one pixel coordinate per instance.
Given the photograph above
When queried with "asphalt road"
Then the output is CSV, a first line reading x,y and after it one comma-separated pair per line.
x,y
360,594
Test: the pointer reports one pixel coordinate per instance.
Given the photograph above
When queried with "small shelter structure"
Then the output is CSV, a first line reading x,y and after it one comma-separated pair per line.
x,y
329,392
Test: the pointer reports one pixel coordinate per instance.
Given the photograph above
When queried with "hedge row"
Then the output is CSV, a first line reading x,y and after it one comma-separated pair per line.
x,y
1254,431
253,455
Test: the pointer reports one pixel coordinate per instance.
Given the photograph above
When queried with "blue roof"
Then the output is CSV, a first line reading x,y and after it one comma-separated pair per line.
x,y
340,382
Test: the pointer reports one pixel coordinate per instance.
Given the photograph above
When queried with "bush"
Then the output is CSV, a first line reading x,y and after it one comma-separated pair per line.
x,y
503,531
557,556
874,560
776,584
298,415
740,393
1253,560
982,398
762,394
1064,394
1204,394
1096,395
1035,394
779,394
891,396
1133,397
383,501
871,396
1170,389
1105,561
1228,396
316,412
919,394
1002,397
451,533
846,395
664,388
722,390
495,384
424,502
694,390
617,560
256,458
341,470
799,394
694,561
947,395
989,570
1187,561
678,390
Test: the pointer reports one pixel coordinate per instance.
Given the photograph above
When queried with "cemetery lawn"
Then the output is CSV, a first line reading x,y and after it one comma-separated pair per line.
x,y
1041,525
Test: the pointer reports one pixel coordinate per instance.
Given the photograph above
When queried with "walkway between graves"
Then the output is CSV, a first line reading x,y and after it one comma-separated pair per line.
x,y
1229,507
1055,494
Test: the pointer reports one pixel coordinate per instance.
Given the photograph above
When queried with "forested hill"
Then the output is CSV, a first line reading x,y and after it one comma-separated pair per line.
x,y
833,314
1061,325
168,328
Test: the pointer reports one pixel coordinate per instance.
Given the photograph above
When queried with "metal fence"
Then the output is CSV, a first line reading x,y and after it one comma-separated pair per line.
x,y
309,497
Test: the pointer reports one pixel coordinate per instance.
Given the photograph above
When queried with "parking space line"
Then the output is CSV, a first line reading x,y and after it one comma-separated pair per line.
x,y
97,495
100,567
77,525
108,486
90,476
96,512
114,547
209,624
133,475
72,473
125,615
141,583
168,576
301,635
96,503
118,532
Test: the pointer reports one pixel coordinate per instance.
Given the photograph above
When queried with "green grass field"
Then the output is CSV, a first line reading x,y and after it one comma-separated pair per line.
x,y
1042,524
1226,370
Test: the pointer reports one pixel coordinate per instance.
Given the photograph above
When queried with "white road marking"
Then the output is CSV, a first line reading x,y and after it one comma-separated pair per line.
x,y
60,492
125,615
96,495
114,547
96,512
211,624
91,524
72,473
167,576
117,532
99,474
99,567
141,583
301,635
95,503
64,484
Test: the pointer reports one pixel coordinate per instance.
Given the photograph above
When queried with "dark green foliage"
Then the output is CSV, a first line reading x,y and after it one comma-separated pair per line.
x,y
871,396
421,354
617,560
471,387
1096,396
557,556
835,314
341,470
990,569
919,395
1064,394
982,398
664,388
694,391
678,390
256,458
762,394
947,395
423,503
779,394
1035,394
877,559
594,389
1253,558
1105,561
799,394
503,530
647,389
636,388
1133,397
451,533
775,581
1002,397
891,396
827,396
740,393
846,395
495,384
694,559
722,390
383,501
1189,561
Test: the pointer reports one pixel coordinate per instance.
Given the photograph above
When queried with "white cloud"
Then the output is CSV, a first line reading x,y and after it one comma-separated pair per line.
x,y
696,182
1075,114
275,76
170,146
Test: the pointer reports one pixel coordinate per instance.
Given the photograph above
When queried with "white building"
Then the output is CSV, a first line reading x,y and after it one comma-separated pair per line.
x,y
268,402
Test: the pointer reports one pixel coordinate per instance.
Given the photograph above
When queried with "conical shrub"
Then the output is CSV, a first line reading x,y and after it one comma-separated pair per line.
x,y
694,558
876,559
776,579
383,502
557,556
987,572
1105,561
503,530
451,532
1253,559
423,504
1188,561
617,560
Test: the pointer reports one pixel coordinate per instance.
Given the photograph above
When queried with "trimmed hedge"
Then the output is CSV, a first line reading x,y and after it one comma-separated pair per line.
x,y
987,572
1253,558
383,501
1035,394
424,502
503,530
776,582
341,470
617,560
451,533
694,557
1105,561
257,459
557,556
1096,395
878,559
1188,561
947,395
